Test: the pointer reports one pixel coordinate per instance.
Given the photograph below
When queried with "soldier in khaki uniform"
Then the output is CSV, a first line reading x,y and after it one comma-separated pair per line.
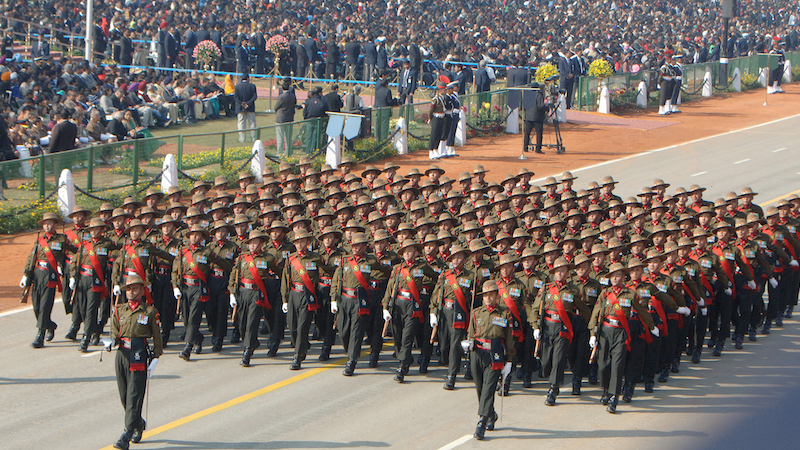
x,y
490,341
743,304
248,292
133,325
515,297
380,280
163,297
451,304
87,280
610,332
708,269
298,290
578,357
557,302
331,255
280,248
219,278
43,272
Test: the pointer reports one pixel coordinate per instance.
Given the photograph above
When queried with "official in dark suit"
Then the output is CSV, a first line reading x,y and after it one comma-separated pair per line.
x,y
260,47
535,112
408,83
334,99
482,82
464,77
172,48
243,56
190,42
284,114
516,76
332,59
312,51
126,49
370,59
415,57
352,49
383,102
244,96
383,56
565,74
314,108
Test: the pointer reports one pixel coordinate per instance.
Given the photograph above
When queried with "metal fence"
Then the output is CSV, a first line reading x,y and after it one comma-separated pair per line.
x,y
134,165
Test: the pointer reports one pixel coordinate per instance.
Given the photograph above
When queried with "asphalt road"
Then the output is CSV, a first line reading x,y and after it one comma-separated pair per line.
x,y
57,398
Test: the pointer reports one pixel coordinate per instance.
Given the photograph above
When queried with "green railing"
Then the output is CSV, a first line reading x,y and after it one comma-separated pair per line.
x,y
106,170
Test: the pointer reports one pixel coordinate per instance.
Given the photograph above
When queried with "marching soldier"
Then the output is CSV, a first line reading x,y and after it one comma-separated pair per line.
x,y
280,248
75,235
380,279
515,297
43,273
490,341
217,312
578,357
331,256
134,259
133,325
298,290
163,297
248,292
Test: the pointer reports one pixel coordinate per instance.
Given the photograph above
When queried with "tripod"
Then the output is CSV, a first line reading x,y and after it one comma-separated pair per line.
x,y
559,144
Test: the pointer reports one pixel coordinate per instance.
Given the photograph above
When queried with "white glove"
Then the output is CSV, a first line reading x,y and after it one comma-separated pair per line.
x,y
115,290
752,285
285,308
506,370
334,307
684,310
704,311
592,341
728,291
23,282
773,282
177,293
152,367
655,332
434,320
701,302
108,343
466,345
72,284
537,333
58,269
386,316
794,263
233,301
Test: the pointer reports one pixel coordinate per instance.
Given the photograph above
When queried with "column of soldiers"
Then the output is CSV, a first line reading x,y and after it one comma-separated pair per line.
x,y
495,281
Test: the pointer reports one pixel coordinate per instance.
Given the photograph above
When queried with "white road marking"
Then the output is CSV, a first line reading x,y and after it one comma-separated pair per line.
x,y
460,441
20,309
699,173
744,160
779,150
86,355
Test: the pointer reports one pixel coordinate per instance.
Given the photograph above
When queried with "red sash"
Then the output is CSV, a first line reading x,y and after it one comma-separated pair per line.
x,y
363,308
306,280
51,259
199,273
412,287
562,313
462,301
746,263
137,264
512,307
704,280
98,270
264,303
726,266
623,319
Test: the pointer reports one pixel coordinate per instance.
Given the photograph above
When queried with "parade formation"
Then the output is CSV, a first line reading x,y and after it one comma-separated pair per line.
x,y
499,283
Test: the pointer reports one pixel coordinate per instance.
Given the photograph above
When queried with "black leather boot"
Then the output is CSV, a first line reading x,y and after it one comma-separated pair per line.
x,y
236,336
627,392
751,334
789,311
248,353
216,344
720,344
423,365
186,354
124,441
696,355
676,365
480,430
506,387
84,347
373,360
72,334
450,383
136,437
767,327
295,363
349,368
551,396
604,397
576,386
51,332
491,419
95,339
273,351
400,376
593,375
199,347
526,380
38,342
612,405
649,385
325,354
164,338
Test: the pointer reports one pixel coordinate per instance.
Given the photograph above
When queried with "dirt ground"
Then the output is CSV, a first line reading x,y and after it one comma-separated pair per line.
x,y
585,145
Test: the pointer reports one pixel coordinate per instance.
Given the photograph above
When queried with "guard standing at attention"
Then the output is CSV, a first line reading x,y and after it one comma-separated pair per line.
x,y
491,342
133,324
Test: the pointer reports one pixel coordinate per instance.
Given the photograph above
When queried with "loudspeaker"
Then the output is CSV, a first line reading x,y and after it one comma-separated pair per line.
x,y
729,9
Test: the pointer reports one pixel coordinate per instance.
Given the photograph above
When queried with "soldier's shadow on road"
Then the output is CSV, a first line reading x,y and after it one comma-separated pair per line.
x,y
532,433
196,445
10,381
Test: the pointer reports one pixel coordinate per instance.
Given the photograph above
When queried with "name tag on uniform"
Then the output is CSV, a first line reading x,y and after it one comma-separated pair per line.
x,y
625,302
310,266
143,253
229,255
792,229
711,239
416,273
778,237
386,262
465,282
677,278
515,292
567,298
56,246
762,244
142,319
729,256
485,273
201,259
749,254
705,263
538,284
644,293
366,268
261,264
690,271
102,251
500,322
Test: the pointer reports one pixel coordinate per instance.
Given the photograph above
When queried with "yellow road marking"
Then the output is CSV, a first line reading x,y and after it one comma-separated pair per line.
x,y
777,199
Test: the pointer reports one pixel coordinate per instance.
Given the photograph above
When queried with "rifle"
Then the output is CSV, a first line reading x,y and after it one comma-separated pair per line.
x,y
435,328
539,341
26,291
391,300
593,356
237,275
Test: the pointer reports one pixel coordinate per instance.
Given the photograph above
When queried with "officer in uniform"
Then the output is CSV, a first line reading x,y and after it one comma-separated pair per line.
x,y
163,298
590,288
217,312
677,69
666,85
87,280
437,119
610,331
43,272
298,290
248,292
280,248
515,297
455,118
708,270
387,259
555,305
490,341
452,301
331,255
133,325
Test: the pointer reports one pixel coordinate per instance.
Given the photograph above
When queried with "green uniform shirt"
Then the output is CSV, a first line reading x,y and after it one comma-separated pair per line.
x,y
141,322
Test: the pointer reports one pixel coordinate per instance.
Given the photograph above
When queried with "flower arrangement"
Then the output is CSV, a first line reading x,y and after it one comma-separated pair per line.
x,y
600,68
206,52
545,71
488,116
278,44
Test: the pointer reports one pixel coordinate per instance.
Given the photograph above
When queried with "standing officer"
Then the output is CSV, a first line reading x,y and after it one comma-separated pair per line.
x,y
490,340
535,109
43,271
91,288
436,117
133,323
609,325
298,289
248,292
453,297
557,302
